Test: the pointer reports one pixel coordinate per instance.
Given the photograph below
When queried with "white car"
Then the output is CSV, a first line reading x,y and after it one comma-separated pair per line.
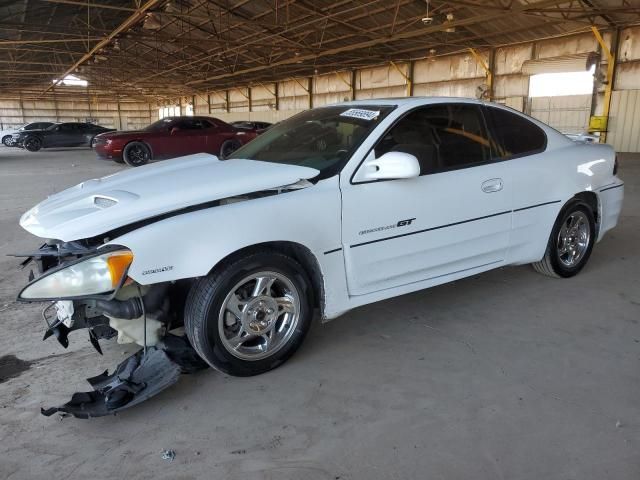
x,y
583,137
337,207
7,136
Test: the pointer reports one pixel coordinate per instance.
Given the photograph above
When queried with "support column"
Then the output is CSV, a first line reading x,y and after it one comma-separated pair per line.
x,y
55,104
487,70
310,90
353,84
119,114
611,54
21,109
228,101
410,69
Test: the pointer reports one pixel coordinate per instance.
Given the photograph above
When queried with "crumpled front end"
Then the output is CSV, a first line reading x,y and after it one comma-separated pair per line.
x,y
130,312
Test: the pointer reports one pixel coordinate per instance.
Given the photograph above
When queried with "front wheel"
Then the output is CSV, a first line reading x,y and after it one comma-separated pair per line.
x,y
570,243
136,154
250,315
32,144
7,140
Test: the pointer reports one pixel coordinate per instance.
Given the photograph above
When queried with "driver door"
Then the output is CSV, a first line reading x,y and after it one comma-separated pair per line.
x,y
455,217
188,136
62,137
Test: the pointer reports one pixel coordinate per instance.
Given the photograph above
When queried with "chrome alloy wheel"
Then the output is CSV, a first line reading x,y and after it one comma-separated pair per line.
x,y
259,315
573,239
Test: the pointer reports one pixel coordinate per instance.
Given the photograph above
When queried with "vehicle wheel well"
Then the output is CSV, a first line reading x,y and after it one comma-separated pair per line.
x,y
591,199
298,252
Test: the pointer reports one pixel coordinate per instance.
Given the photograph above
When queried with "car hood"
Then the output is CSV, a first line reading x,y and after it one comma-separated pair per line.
x,y
100,205
125,133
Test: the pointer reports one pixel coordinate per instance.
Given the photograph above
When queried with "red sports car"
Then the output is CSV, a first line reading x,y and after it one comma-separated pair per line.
x,y
171,137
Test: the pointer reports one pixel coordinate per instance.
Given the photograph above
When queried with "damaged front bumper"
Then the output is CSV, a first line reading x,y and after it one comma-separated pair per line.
x,y
136,314
141,376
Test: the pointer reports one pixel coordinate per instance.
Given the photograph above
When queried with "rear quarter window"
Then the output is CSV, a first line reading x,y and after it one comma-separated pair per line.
x,y
514,134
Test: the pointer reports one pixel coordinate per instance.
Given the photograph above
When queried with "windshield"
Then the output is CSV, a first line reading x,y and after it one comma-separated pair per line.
x,y
52,127
161,125
323,138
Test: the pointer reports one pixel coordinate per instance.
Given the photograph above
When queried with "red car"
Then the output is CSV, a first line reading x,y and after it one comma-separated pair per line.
x,y
171,137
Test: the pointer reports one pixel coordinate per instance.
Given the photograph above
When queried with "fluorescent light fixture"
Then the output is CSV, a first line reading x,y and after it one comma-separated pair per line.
x,y
71,80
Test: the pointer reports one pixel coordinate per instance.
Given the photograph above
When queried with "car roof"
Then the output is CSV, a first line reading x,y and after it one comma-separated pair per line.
x,y
184,117
403,101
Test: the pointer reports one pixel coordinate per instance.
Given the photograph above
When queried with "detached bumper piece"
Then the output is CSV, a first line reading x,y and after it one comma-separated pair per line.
x,y
138,378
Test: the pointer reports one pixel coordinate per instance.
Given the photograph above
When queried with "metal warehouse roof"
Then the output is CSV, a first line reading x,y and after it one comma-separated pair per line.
x,y
163,48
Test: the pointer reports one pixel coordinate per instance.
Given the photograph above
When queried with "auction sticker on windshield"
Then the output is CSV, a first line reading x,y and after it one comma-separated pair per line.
x,y
361,113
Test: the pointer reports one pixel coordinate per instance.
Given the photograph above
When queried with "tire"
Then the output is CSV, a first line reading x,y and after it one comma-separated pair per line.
x,y
136,154
32,143
6,140
569,248
283,313
228,147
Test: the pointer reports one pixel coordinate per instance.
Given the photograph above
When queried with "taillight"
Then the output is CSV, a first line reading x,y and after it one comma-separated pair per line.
x,y
615,165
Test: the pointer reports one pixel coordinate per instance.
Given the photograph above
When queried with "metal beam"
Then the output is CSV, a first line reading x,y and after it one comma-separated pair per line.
x,y
486,17
129,22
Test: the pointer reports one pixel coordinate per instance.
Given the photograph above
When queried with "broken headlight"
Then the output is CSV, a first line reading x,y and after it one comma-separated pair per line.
x,y
95,275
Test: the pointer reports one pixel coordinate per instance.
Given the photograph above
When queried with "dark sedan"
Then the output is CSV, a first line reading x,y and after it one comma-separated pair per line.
x,y
70,134
172,137
7,135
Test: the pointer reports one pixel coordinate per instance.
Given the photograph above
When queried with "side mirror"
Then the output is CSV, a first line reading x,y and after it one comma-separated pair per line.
x,y
174,130
390,166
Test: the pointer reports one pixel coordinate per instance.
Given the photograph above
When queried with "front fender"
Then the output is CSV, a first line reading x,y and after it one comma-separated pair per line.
x,y
190,244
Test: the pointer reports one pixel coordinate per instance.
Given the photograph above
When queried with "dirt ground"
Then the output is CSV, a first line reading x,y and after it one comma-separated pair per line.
x,y
506,375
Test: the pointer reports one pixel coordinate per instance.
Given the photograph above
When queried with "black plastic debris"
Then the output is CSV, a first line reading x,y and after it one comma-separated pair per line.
x,y
139,377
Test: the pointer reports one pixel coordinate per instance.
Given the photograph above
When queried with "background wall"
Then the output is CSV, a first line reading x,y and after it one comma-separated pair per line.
x,y
123,115
458,75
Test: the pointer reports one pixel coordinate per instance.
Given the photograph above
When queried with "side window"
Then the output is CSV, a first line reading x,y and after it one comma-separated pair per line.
x,y
515,135
442,137
192,124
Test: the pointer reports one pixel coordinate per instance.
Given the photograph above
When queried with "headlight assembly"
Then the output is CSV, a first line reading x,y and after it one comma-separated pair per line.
x,y
97,275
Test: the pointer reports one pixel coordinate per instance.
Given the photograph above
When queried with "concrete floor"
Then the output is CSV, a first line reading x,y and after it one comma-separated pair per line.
x,y
507,375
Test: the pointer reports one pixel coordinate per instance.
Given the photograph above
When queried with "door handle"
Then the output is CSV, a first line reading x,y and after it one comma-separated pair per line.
x,y
492,185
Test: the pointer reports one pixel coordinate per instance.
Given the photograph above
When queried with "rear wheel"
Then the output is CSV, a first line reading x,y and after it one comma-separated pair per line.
x,y
136,154
250,315
228,147
570,243
32,143
7,140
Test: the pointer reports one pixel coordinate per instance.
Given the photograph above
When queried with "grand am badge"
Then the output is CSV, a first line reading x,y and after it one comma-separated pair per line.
x,y
157,270
401,223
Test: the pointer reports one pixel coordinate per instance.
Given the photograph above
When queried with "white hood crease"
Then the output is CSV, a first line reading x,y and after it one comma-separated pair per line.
x,y
100,205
